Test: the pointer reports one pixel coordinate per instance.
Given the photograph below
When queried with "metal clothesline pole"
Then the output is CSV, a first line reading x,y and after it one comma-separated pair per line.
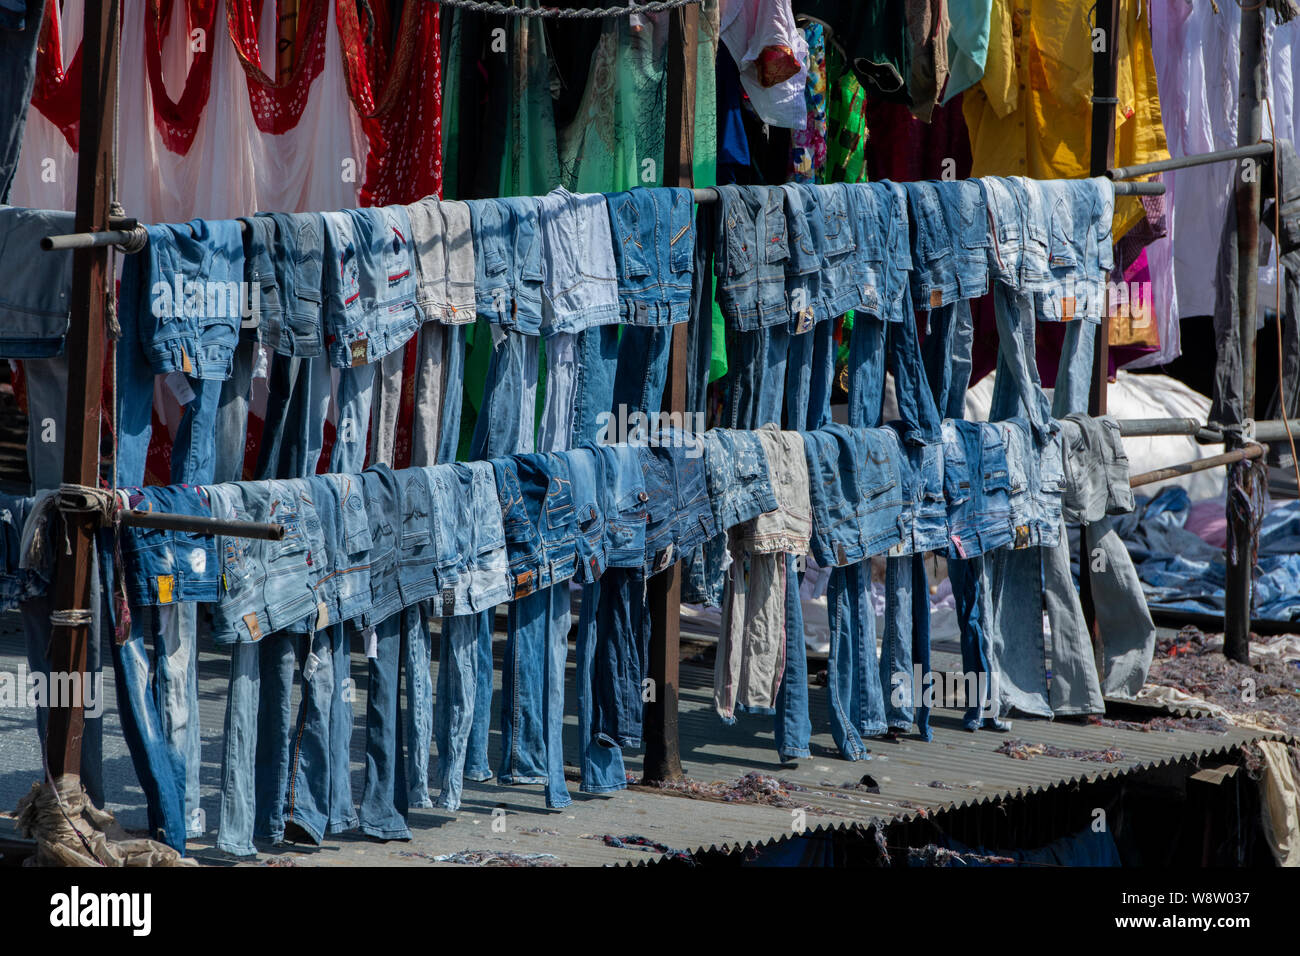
x,y
1186,162
129,229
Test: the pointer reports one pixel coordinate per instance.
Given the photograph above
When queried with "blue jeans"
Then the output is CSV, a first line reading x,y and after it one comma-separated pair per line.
x,y
384,796
602,765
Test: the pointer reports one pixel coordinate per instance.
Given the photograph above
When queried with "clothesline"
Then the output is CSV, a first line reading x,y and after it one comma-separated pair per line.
x,y
130,241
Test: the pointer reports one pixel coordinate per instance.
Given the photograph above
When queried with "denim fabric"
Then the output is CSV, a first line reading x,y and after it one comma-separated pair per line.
x,y
423,542
934,274
482,583
810,377
925,511
384,793
293,432
884,257
369,284
508,262
977,488
505,419
21,21
457,700
855,491
751,651
473,575
442,233
840,246
417,714
807,263
540,523
654,249
439,377
738,475
180,312
601,765
539,520
1075,687
621,658
264,307
311,758
1096,466
580,278
750,249
946,356
792,725
1079,250
642,371
382,495
1003,198
623,501
34,304
295,246
350,568
905,645
586,474
166,566
267,586
159,764
680,516
966,213
1017,389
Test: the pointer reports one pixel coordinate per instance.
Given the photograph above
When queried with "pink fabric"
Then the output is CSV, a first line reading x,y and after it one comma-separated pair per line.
x,y
1208,520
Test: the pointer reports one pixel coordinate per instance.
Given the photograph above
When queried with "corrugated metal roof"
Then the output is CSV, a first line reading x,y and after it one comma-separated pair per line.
x,y
711,751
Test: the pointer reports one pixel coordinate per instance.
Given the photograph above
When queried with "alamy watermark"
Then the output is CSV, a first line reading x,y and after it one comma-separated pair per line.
x,y
625,426
32,689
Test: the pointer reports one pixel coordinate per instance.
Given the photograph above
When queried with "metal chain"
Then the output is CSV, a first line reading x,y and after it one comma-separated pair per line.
x,y
500,9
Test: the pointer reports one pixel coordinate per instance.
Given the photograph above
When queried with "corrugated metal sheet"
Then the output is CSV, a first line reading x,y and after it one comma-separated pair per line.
x,y
515,819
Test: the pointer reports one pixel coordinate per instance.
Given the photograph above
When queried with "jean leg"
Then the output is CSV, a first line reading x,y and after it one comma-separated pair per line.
x,y
343,812
1075,687
602,765
453,394
557,652
355,393
642,369
1018,389
232,413
384,793
620,658
47,396
386,406
1015,630
419,704
457,688
1074,375
238,796
840,683
523,739
896,649
177,686
278,661
967,577
1122,613
792,725
921,641
307,801
158,765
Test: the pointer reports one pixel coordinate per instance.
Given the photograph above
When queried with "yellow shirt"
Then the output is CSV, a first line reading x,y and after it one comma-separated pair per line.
x,y
1031,114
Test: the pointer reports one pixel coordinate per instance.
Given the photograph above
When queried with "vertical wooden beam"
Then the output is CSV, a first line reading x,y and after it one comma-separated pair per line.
x,y
85,351
1250,129
1101,155
662,747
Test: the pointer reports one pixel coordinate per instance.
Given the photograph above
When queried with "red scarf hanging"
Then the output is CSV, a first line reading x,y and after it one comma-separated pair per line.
x,y
177,121
57,92
402,112
277,107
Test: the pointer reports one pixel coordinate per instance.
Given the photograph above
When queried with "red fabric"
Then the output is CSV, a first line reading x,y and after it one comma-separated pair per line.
x,y
277,107
902,148
178,120
57,92
399,99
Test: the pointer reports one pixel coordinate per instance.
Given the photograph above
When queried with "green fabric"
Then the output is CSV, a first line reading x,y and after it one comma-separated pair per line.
x,y
846,125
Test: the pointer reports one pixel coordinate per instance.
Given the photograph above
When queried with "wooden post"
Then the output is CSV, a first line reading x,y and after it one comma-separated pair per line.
x,y
1250,127
85,351
662,747
1101,155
